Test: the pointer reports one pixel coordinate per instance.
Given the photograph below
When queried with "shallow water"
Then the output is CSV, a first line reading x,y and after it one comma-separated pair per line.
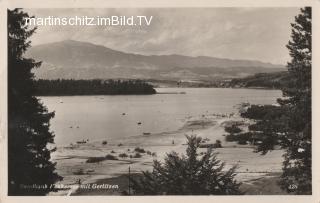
x,y
101,117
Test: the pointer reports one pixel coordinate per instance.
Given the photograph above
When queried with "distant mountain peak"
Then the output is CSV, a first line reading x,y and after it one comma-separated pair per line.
x,y
84,60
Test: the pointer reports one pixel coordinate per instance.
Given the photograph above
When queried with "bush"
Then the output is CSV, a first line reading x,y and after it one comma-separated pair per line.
x,y
110,157
188,175
232,129
242,142
123,155
140,150
137,155
217,144
101,158
231,138
104,142
95,159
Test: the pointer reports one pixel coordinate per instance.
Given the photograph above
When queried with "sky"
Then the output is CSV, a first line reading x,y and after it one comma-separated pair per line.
x,y
235,33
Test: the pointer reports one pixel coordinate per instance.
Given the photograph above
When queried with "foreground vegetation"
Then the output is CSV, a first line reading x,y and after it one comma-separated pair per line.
x,y
92,87
190,174
29,160
288,124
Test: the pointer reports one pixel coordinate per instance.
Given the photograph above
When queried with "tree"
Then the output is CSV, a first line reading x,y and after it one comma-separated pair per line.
x,y
188,175
297,164
29,165
289,124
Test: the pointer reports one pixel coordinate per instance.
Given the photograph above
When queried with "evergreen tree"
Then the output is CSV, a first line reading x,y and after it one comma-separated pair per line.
x,y
289,125
29,162
188,175
297,165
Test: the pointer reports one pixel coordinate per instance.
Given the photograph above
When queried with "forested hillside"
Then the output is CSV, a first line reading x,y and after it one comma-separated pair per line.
x,y
264,80
92,87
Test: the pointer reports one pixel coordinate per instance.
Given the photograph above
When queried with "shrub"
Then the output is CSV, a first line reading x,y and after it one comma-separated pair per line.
x,y
140,150
101,158
110,157
188,175
123,155
95,159
231,138
104,142
242,142
217,144
137,155
232,129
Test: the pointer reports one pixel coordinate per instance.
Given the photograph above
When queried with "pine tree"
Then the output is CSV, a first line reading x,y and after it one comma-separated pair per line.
x,y
289,125
297,174
192,174
29,162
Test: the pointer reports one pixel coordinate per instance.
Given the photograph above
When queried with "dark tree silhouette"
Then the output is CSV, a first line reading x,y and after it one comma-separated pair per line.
x,y
289,124
92,87
188,175
29,165
297,165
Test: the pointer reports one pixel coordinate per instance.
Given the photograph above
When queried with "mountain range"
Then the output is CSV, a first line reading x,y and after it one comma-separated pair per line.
x,y
82,60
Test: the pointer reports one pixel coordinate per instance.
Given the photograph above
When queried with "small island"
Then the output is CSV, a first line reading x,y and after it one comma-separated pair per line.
x,y
70,87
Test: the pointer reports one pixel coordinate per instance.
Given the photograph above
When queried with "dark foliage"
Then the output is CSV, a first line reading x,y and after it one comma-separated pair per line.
x,y
92,87
140,150
275,80
232,129
28,120
123,155
101,158
189,174
236,135
289,124
217,144
242,138
95,159
137,155
111,157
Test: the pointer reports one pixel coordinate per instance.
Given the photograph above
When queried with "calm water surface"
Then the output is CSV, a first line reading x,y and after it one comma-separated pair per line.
x,y
101,117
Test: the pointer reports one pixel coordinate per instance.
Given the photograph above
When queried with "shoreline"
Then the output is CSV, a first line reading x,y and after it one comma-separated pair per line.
x,y
73,166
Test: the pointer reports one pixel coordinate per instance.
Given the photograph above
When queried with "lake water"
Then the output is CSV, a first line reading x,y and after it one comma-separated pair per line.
x,y
101,117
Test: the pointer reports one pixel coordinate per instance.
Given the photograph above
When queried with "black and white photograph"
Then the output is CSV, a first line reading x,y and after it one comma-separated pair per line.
x,y
166,101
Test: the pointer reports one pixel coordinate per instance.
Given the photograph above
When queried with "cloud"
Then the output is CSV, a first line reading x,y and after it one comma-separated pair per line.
x,y
237,33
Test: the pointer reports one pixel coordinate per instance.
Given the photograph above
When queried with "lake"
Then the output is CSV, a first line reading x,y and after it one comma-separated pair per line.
x,y
111,117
